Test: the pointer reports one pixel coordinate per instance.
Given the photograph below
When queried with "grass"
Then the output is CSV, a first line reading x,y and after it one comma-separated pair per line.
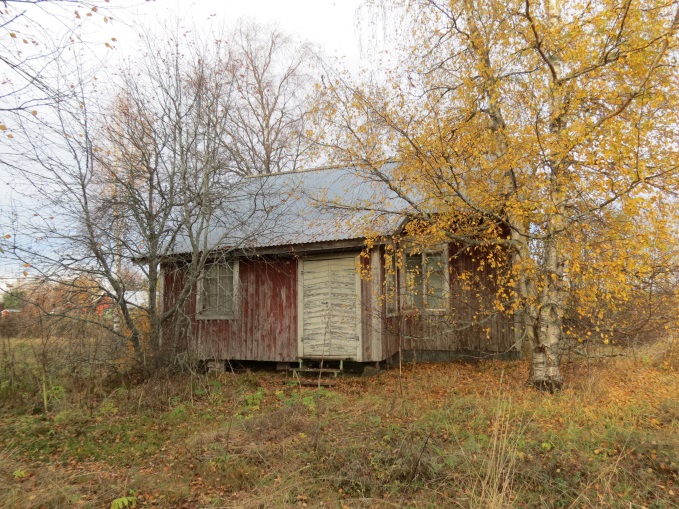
x,y
469,436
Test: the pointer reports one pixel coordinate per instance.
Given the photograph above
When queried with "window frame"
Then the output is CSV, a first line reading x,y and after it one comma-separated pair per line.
x,y
232,314
423,253
392,293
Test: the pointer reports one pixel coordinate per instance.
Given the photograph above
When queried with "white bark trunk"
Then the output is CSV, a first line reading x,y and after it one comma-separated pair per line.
x,y
545,372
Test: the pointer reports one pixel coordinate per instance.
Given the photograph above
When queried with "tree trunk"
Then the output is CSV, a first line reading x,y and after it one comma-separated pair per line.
x,y
545,373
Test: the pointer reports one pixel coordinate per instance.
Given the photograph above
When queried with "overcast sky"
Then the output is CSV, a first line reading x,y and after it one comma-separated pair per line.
x,y
341,28
335,25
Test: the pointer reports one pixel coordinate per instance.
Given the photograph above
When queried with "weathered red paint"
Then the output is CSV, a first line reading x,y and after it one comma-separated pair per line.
x,y
265,328
470,325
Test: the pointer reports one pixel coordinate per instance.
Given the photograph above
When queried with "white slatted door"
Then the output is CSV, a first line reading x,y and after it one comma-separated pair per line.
x,y
330,321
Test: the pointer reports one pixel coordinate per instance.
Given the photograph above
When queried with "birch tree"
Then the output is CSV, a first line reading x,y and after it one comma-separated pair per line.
x,y
546,130
273,82
188,125
161,175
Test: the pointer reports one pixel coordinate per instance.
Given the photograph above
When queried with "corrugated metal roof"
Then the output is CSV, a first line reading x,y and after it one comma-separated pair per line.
x,y
303,207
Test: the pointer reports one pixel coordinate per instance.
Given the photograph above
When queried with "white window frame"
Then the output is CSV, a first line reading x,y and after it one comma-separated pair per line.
x,y
391,284
201,314
405,308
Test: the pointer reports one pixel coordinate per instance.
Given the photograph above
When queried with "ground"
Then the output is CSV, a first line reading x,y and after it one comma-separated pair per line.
x,y
426,435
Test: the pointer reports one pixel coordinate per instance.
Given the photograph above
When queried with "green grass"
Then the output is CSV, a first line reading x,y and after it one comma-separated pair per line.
x,y
446,435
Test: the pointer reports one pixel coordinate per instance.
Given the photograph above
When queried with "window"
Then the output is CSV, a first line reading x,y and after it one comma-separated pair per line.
x,y
391,283
424,285
217,291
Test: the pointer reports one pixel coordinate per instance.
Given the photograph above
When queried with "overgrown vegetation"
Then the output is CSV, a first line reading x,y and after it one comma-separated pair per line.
x,y
440,435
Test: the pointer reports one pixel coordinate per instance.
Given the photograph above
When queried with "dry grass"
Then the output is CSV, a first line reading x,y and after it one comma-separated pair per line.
x,y
457,435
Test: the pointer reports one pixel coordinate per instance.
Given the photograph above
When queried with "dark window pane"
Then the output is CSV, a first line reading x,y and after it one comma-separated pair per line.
x,y
434,281
217,290
412,293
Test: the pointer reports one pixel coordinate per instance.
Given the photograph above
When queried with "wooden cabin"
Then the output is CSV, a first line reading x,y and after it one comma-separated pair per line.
x,y
295,281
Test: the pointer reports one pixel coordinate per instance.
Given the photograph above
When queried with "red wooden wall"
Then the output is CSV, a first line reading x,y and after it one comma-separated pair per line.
x,y
266,325
470,325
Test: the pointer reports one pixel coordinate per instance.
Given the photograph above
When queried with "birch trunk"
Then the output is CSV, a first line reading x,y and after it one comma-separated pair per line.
x,y
545,372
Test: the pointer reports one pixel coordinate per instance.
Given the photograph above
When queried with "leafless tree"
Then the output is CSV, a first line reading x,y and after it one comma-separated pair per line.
x,y
34,35
273,81
150,177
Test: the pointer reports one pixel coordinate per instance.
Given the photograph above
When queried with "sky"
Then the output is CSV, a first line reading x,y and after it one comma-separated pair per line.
x,y
339,27
343,29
